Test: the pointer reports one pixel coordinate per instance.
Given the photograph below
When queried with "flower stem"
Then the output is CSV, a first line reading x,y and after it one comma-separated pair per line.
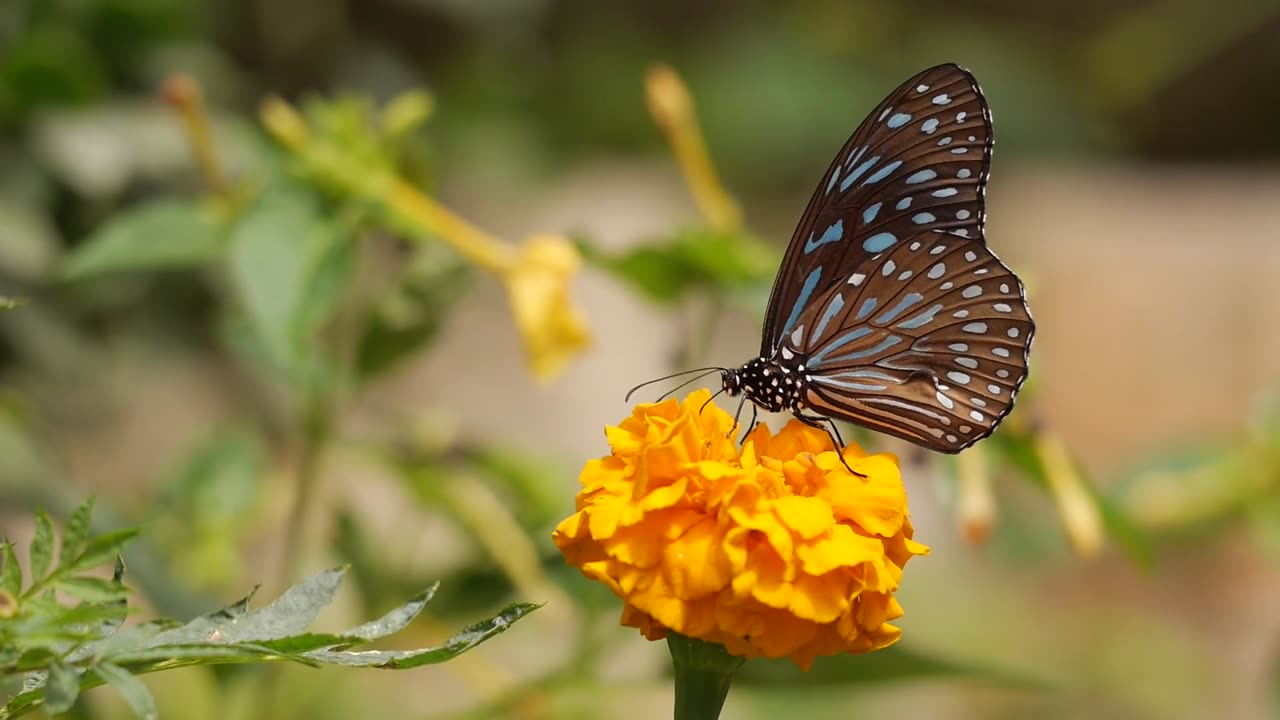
x,y
704,671
183,93
672,109
315,424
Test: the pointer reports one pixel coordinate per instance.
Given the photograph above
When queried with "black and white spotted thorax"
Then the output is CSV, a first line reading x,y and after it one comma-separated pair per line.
x,y
772,385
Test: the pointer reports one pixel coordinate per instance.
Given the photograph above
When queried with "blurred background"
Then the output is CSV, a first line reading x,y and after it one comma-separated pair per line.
x,y
238,338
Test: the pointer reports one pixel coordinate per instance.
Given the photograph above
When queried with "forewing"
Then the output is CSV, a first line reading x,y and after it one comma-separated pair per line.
x,y
919,162
927,341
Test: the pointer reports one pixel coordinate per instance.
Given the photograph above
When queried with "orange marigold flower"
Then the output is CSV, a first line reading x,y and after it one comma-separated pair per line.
x,y
776,550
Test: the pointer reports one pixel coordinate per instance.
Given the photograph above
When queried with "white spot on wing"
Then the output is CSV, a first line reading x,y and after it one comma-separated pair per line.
x,y
856,279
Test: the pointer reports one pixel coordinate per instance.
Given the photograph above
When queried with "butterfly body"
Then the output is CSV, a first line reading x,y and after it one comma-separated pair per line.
x,y
889,311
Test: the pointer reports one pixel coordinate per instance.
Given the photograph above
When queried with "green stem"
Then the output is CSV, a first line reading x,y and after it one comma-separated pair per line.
x,y
704,672
316,425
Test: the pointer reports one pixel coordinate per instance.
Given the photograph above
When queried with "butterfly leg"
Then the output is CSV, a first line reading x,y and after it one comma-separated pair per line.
x,y
825,423
755,413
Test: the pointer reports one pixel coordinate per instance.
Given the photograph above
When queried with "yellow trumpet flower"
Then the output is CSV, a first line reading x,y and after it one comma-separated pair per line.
x,y
537,274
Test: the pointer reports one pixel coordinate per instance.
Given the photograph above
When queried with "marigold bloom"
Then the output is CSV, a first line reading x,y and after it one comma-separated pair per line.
x,y
774,551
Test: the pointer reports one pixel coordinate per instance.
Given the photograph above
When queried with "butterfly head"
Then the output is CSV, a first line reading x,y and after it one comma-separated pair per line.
x,y
771,385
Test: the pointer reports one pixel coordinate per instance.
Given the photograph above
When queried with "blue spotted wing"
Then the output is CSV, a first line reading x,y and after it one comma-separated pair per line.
x,y
927,341
919,162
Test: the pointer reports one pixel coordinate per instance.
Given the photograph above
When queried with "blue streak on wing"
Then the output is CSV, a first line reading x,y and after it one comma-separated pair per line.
x,y
835,175
857,172
903,204
841,379
855,155
869,352
898,120
867,306
907,301
923,318
843,340
836,303
810,283
879,242
870,213
921,176
849,385
832,234
882,173
922,218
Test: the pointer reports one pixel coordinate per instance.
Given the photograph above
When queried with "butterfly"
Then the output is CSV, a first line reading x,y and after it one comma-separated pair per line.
x,y
889,311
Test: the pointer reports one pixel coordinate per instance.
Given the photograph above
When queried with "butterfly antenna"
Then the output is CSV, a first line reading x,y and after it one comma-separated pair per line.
x,y
708,402
672,391
632,391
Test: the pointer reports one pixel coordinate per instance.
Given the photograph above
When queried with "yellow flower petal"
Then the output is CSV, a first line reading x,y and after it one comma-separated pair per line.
x,y
553,328
774,551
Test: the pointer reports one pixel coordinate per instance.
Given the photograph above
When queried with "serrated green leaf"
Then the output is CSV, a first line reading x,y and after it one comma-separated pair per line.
x,y
41,547
35,659
10,570
76,533
92,589
103,615
306,642
134,692
61,688
163,235
405,659
101,549
394,621
290,614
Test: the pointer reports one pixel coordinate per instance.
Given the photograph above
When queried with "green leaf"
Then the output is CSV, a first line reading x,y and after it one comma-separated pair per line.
x,y
1131,538
41,546
163,235
61,688
92,589
10,570
286,263
408,318
130,688
405,659
892,664
290,614
652,271
75,536
219,481
101,549
394,621
694,258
